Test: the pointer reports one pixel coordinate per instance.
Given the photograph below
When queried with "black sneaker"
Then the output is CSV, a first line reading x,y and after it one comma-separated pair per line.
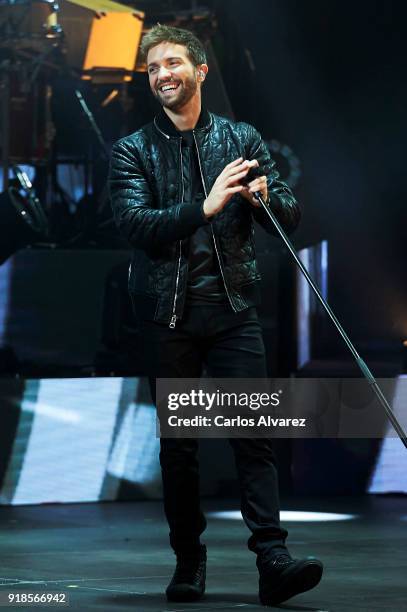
x,y
284,577
188,581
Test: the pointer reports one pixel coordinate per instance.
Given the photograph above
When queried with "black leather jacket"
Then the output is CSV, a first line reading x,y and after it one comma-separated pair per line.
x,y
151,209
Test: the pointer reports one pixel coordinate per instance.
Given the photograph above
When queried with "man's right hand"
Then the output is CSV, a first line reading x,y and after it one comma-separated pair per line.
x,y
227,184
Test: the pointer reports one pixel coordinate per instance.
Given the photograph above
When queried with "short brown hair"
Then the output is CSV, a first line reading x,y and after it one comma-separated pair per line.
x,y
178,36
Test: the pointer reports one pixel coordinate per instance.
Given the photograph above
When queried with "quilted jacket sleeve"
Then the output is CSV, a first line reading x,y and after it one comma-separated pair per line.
x,y
282,201
138,220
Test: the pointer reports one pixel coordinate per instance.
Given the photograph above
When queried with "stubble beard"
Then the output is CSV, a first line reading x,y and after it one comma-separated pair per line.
x,y
187,90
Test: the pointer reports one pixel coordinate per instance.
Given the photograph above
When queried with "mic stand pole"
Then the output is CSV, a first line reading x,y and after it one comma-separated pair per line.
x,y
96,130
361,364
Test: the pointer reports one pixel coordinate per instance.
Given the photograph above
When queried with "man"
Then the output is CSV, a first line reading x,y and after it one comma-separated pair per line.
x,y
177,195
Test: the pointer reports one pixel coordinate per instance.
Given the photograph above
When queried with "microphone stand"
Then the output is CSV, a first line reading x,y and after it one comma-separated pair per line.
x,y
94,126
361,364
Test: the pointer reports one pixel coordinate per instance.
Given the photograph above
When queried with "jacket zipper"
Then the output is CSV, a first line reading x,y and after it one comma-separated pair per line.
x,y
173,320
213,233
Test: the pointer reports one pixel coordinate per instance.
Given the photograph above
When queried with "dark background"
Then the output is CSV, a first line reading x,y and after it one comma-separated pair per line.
x,y
330,81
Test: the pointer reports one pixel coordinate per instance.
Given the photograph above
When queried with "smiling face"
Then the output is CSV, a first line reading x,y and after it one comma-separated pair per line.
x,y
174,80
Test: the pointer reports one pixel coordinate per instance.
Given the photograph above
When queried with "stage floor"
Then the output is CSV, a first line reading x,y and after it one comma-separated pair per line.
x,y
114,556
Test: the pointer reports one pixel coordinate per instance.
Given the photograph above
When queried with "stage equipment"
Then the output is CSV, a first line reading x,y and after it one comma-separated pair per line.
x,y
22,219
359,361
288,160
29,24
27,130
93,125
43,285
29,36
101,38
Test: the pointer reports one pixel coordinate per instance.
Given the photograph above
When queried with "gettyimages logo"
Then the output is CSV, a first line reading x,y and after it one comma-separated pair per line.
x,y
221,399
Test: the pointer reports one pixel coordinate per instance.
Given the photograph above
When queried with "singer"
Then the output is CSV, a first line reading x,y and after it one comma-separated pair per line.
x,y
178,196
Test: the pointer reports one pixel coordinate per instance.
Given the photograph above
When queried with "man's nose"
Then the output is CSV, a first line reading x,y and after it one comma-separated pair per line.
x,y
163,73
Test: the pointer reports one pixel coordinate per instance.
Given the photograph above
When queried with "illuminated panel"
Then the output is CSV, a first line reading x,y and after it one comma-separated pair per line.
x,y
123,31
74,435
303,313
315,260
66,456
5,275
390,473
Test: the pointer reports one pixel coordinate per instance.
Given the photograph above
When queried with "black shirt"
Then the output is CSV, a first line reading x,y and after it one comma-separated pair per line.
x,y
205,283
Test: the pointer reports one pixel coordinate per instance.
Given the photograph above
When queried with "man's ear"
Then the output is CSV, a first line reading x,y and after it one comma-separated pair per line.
x,y
202,71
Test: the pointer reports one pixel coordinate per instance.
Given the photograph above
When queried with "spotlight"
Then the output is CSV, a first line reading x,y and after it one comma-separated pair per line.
x,y
299,516
22,219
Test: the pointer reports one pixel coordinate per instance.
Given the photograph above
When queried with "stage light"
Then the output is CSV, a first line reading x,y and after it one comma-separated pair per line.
x,y
101,38
295,516
22,219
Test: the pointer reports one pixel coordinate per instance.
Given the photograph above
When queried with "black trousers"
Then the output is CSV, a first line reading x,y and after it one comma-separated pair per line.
x,y
229,345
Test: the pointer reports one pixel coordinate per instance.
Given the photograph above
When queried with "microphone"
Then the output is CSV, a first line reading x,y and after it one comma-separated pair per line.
x,y
252,174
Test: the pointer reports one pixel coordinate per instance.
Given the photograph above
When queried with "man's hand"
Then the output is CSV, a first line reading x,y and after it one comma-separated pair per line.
x,y
258,184
227,184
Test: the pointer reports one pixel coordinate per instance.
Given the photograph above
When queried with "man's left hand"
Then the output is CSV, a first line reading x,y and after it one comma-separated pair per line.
x,y
258,184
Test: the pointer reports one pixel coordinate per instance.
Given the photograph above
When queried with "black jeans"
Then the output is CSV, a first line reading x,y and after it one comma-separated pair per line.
x,y
230,345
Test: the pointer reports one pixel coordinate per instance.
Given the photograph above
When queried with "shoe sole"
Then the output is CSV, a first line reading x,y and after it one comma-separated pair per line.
x,y
304,578
185,596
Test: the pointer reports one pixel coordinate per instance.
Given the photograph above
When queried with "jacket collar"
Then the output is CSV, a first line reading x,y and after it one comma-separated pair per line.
x,y
166,127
